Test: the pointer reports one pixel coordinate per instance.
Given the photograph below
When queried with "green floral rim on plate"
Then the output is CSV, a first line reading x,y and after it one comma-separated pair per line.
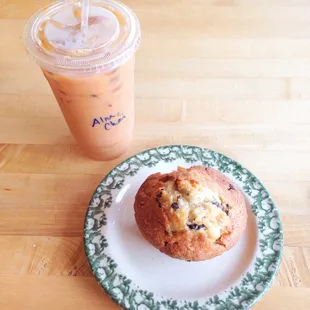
x,y
127,294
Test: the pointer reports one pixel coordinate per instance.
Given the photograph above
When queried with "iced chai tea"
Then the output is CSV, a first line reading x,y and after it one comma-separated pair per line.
x,y
92,76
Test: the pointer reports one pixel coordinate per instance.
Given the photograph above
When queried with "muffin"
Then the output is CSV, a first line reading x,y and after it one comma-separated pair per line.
x,y
191,214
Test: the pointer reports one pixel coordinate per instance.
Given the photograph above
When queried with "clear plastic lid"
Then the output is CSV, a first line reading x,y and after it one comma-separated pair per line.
x,y
54,40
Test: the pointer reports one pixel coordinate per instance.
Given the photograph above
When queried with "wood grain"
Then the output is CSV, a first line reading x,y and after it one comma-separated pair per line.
x,y
230,75
43,255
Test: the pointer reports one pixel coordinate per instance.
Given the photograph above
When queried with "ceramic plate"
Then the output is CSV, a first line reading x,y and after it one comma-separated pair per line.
x,y
138,276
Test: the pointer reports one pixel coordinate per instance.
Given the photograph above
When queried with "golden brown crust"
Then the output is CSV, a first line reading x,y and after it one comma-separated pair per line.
x,y
154,221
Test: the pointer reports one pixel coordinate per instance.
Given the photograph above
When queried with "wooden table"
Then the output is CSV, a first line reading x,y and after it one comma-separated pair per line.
x,y
230,75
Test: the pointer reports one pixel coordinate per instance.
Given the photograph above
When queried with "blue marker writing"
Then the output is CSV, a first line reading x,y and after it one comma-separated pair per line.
x,y
109,121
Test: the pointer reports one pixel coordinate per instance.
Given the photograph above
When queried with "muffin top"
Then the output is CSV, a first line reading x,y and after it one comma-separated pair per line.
x,y
193,201
192,206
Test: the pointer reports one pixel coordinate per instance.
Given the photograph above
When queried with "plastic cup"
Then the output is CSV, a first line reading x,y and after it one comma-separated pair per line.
x,y
92,76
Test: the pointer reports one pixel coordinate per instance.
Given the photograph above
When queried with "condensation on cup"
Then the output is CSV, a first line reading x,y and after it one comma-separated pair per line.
x,y
92,75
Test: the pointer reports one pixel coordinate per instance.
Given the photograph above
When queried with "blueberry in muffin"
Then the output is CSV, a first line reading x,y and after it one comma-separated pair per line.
x,y
191,214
